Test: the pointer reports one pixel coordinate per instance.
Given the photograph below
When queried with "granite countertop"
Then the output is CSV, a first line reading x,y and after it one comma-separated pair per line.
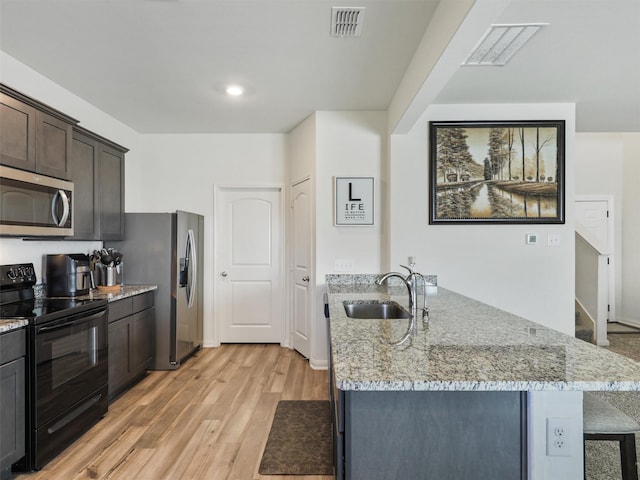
x,y
13,324
124,292
466,346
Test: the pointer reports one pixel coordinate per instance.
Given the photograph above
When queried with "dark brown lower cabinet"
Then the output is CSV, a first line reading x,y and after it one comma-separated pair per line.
x,y
12,399
131,341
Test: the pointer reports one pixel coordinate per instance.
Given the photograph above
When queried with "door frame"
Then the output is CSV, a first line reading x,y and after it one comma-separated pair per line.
x,y
217,193
291,281
611,235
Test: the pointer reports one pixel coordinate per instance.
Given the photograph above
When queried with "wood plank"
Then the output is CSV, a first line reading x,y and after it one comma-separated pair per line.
x,y
255,438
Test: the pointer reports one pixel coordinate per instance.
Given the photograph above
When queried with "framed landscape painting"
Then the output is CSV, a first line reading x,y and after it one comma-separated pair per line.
x,y
496,172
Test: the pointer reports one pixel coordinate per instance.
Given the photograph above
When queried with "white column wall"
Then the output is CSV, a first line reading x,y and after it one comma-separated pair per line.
x,y
347,144
491,263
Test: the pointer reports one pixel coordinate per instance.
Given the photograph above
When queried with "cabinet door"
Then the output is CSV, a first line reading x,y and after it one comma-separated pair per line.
x,y
83,171
142,347
12,412
119,355
53,148
111,193
17,133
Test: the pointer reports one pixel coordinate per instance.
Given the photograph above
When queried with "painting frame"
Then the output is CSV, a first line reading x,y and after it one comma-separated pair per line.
x,y
515,183
354,201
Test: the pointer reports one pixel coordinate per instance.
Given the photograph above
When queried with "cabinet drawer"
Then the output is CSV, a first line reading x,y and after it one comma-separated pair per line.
x,y
120,309
12,345
143,301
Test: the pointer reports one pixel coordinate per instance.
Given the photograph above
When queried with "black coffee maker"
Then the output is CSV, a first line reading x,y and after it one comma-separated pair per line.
x,y
68,275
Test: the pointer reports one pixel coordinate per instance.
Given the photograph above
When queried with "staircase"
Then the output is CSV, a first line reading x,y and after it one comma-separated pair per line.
x,y
583,330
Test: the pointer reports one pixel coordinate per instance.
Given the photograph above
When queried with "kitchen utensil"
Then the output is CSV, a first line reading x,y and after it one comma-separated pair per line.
x,y
106,259
117,258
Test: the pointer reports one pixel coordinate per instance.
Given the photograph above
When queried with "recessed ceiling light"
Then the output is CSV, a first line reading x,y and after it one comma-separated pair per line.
x,y
234,90
500,43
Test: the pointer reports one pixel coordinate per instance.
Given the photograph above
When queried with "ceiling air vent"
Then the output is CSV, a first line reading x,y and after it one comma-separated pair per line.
x,y
500,42
347,21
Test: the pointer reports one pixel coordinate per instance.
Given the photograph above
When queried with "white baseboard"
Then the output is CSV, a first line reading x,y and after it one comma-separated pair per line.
x,y
318,364
634,322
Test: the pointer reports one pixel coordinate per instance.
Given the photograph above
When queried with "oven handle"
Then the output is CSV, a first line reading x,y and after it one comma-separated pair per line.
x,y
77,321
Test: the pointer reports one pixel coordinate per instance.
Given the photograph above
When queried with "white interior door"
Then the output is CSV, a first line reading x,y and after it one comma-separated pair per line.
x,y
302,271
595,213
249,262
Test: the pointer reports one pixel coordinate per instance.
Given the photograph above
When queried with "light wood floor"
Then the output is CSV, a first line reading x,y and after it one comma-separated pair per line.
x,y
210,419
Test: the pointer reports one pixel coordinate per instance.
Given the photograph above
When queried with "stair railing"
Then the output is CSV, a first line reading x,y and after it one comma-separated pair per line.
x,y
592,281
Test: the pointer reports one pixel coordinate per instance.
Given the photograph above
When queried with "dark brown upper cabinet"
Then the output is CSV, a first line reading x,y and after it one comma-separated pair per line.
x,y
33,136
96,169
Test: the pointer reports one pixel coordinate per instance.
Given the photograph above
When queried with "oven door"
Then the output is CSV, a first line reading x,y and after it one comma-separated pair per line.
x,y
70,361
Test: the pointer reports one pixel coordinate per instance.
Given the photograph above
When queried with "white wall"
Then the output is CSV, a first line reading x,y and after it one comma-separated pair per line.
x,y
178,172
22,78
631,229
609,163
490,263
348,144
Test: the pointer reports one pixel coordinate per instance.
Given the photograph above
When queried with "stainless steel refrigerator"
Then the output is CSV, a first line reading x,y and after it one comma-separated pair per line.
x,y
167,249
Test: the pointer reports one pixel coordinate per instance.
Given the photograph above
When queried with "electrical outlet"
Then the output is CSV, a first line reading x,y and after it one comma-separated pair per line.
x,y
558,438
344,265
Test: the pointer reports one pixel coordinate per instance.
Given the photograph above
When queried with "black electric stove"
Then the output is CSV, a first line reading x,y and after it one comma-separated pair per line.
x,y
67,366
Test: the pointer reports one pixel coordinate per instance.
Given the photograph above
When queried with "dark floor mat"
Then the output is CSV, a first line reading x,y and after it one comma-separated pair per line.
x,y
299,442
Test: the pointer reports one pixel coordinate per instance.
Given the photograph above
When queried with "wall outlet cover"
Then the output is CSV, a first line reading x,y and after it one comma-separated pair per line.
x,y
343,265
558,437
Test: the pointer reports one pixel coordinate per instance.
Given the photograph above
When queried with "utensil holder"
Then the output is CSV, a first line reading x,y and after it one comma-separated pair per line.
x,y
110,277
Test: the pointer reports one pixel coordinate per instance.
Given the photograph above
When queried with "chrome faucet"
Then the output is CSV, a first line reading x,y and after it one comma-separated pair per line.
x,y
412,292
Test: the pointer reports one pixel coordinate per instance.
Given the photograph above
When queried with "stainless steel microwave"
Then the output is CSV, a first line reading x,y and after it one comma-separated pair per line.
x,y
33,205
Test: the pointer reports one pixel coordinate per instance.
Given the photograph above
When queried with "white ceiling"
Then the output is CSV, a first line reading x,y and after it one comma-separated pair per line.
x,y
159,66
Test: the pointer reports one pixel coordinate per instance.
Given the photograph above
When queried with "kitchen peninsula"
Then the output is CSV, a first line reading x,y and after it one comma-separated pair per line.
x,y
468,395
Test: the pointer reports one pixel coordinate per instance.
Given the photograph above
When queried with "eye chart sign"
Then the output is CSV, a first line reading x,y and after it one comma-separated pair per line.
x,y
354,201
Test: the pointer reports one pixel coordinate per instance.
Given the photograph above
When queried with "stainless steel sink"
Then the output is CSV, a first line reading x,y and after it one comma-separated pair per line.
x,y
375,310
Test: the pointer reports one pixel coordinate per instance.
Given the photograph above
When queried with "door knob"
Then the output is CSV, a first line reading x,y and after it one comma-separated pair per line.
x,y
224,274
305,279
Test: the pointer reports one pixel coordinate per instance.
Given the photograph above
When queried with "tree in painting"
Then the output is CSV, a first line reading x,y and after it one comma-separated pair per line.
x,y
454,158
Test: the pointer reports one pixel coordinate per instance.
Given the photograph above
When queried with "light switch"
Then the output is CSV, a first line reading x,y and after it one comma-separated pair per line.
x,y
553,240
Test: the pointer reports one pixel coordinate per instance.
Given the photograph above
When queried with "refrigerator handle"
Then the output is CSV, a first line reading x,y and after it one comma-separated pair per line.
x,y
191,262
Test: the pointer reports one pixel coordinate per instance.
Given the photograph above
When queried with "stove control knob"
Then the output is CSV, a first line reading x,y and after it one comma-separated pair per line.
x,y
12,274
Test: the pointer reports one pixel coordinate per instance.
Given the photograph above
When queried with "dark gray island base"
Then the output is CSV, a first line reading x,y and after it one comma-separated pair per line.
x,y
471,435
469,396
